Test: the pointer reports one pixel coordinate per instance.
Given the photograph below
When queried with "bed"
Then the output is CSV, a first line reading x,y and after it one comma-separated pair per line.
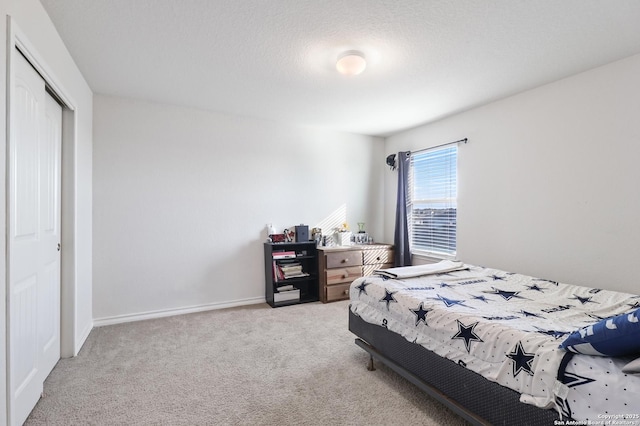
x,y
487,343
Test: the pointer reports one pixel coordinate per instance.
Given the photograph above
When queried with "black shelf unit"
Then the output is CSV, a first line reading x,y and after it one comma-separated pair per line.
x,y
307,256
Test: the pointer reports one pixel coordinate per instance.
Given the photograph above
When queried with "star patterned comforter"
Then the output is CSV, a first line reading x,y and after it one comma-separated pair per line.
x,y
504,326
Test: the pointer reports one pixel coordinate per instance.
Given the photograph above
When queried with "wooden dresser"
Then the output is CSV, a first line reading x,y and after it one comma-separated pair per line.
x,y
339,266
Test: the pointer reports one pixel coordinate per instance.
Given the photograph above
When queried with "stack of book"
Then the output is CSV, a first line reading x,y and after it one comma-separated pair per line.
x,y
286,271
285,267
292,270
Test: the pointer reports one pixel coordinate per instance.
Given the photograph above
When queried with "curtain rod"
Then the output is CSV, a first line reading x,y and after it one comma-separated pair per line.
x,y
438,146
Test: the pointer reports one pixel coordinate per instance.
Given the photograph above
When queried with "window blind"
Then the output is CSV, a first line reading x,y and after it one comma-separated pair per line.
x,y
432,201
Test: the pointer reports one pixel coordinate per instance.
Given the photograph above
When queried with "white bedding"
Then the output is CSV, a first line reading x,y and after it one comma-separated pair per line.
x,y
504,326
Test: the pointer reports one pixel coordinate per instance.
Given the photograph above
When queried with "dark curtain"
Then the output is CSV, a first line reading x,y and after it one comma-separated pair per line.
x,y
401,238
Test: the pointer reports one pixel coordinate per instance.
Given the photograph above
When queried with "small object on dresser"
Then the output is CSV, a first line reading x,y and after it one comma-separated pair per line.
x,y
302,233
289,235
316,235
270,231
343,238
361,238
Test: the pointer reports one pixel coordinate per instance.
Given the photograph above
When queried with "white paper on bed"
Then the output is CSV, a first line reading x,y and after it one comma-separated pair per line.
x,y
420,270
504,326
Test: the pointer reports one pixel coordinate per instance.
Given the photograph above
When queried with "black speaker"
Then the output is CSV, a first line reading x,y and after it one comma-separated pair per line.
x,y
302,233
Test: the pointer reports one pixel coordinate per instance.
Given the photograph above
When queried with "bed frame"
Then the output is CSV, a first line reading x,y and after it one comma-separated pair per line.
x,y
468,394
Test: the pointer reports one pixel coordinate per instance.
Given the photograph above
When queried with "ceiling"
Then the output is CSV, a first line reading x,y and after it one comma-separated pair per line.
x,y
275,59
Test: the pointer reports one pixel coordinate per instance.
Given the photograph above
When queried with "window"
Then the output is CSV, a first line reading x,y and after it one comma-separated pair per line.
x,y
432,201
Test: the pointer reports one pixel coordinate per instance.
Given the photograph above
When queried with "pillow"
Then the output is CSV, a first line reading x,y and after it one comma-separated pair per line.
x,y
615,336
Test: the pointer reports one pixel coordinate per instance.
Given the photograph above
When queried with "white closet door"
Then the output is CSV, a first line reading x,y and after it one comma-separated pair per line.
x,y
34,232
49,282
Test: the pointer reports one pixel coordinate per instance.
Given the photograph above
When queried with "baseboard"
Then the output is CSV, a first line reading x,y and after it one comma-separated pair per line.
x,y
119,319
83,338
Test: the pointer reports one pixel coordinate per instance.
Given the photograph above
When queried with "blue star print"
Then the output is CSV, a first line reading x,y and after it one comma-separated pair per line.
x,y
388,297
363,288
450,302
467,333
582,300
521,360
421,314
555,333
530,314
506,295
572,380
536,288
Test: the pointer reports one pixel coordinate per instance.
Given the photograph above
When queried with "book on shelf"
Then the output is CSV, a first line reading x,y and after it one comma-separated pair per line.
x,y
287,271
286,287
290,265
284,254
290,269
299,275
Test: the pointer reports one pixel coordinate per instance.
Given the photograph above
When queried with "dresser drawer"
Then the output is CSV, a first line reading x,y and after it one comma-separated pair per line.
x,y
342,275
337,292
341,259
368,269
377,256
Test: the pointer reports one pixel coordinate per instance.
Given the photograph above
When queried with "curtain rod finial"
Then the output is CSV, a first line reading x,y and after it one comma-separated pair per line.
x,y
391,161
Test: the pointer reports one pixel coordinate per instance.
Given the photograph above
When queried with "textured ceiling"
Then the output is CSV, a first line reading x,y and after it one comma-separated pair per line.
x,y
276,59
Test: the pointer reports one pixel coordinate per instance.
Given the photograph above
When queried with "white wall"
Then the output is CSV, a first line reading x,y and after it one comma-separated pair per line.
x,y
3,218
43,40
548,183
182,198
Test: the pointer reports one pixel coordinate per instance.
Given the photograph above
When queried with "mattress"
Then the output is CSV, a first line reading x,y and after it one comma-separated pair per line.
x,y
507,327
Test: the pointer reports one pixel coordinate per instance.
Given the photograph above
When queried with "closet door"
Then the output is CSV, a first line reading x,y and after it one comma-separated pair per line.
x,y
33,237
49,282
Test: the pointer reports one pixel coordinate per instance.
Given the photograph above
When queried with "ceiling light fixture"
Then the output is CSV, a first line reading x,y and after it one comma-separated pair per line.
x,y
351,62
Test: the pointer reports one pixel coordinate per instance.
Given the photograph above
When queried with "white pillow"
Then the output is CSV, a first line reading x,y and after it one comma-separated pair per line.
x,y
633,367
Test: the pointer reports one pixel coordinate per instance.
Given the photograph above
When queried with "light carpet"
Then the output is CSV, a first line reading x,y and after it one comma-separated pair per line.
x,y
295,365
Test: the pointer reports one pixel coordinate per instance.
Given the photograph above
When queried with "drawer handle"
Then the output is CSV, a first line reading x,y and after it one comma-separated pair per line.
x,y
346,292
378,258
345,275
345,260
